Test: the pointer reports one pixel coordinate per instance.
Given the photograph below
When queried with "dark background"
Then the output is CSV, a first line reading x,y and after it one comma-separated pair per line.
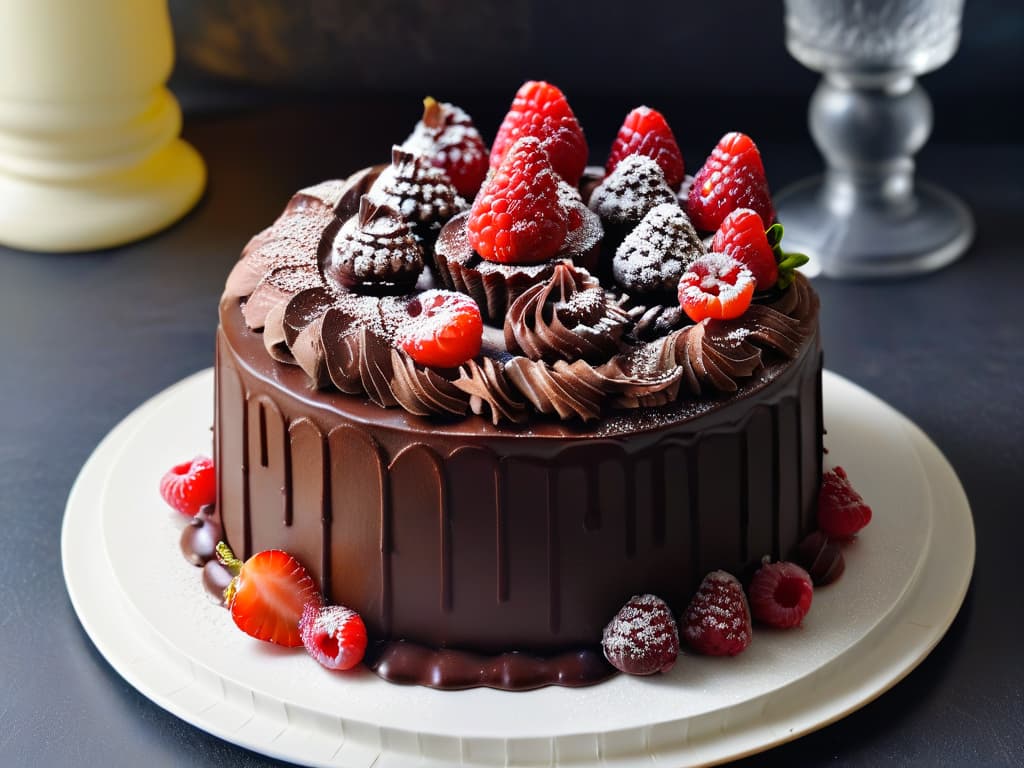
x,y
707,65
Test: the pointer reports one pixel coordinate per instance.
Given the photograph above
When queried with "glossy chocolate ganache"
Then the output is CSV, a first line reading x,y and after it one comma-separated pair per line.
x,y
487,520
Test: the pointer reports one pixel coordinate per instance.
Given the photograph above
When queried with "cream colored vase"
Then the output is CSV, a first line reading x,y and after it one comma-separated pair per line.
x,y
89,149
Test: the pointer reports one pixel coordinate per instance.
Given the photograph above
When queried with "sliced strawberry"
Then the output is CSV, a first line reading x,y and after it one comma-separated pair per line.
x,y
717,620
445,329
842,511
642,638
333,635
732,177
518,217
446,135
190,486
541,110
646,132
715,286
781,594
267,596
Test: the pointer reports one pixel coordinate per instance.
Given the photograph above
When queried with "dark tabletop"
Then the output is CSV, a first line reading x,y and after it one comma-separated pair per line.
x,y
86,338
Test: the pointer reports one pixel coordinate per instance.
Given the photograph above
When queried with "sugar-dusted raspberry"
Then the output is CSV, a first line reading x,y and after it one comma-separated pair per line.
x,y
642,639
444,329
781,594
541,110
715,286
841,510
447,136
717,620
333,635
646,132
518,216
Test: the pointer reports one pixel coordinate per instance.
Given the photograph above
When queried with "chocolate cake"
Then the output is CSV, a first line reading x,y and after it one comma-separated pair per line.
x,y
486,518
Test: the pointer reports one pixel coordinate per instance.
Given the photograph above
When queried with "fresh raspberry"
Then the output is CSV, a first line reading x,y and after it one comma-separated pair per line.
x,y
645,132
780,594
732,177
642,638
717,621
742,236
268,594
539,109
333,635
189,486
517,217
841,510
715,286
447,136
445,329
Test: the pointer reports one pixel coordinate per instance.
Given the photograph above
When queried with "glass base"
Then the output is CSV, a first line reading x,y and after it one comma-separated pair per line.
x,y
874,241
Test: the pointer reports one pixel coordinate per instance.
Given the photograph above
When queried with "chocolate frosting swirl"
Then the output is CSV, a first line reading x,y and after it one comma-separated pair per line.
x,y
489,390
422,392
566,318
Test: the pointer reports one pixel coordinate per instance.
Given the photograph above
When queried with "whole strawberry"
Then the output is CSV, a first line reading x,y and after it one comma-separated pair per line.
x,y
333,635
646,132
732,177
717,620
642,638
517,217
541,110
842,511
742,235
447,137
190,486
268,594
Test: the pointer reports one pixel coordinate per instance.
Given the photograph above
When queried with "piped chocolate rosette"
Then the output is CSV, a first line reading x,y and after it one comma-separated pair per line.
x,y
346,285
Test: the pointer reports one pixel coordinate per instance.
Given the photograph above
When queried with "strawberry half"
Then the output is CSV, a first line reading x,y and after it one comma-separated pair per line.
x,y
268,594
715,286
445,329
645,132
541,110
518,216
447,137
732,177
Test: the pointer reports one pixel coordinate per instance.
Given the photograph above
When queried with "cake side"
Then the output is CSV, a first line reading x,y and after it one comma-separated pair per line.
x,y
467,536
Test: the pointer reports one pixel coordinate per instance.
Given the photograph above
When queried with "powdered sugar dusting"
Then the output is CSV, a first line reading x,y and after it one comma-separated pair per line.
x,y
635,187
654,255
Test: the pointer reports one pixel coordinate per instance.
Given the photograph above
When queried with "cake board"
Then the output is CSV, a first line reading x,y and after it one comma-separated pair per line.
x,y
905,580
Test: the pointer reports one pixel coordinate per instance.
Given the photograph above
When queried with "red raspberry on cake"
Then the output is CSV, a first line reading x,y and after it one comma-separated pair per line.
x,y
732,177
445,330
781,594
268,594
842,512
190,486
541,110
715,286
447,137
642,639
333,635
646,132
717,620
517,217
